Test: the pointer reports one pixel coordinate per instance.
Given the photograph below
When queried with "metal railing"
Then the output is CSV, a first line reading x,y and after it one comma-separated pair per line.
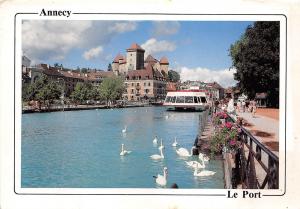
x,y
254,159
252,150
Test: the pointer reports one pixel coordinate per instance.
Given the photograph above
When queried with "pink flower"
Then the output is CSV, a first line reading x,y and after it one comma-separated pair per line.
x,y
232,142
228,125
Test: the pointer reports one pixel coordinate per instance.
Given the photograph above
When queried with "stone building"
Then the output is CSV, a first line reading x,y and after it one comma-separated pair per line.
x,y
67,77
144,78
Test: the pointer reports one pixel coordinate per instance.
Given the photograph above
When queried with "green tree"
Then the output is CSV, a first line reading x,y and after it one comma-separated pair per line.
x,y
109,67
80,93
173,76
28,92
43,90
256,59
111,89
48,93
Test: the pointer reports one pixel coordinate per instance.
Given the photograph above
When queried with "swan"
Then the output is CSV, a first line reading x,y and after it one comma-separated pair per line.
x,y
175,143
158,157
183,152
203,157
155,140
124,130
161,144
162,179
195,164
124,152
203,172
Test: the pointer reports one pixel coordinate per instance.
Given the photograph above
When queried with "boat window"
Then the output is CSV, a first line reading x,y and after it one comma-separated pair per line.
x,y
195,100
180,99
188,99
173,99
199,100
168,99
203,99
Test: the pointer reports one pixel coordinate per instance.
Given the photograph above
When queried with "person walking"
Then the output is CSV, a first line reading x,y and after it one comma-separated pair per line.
x,y
253,108
243,105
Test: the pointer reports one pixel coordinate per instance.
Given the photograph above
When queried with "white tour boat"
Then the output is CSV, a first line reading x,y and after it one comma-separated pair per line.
x,y
196,100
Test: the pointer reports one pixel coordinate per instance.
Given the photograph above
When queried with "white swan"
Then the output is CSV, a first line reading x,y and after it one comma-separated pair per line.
x,y
203,157
158,157
161,144
123,151
203,172
195,164
162,179
175,142
124,130
183,152
155,140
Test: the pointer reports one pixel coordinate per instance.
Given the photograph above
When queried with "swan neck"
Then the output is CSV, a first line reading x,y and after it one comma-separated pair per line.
x,y
161,153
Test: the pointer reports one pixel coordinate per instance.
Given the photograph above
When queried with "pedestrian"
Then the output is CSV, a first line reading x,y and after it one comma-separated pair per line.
x,y
253,108
243,105
239,105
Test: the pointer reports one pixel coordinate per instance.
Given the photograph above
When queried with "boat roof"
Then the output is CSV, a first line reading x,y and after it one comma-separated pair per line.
x,y
187,93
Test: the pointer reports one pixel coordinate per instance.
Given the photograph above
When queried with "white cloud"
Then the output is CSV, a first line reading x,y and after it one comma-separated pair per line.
x,y
165,28
223,77
93,53
153,46
121,27
54,39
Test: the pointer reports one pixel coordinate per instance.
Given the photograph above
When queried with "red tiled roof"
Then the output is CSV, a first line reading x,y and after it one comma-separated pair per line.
x,y
100,74
71,74
135,47
119,58
143,74
150,59
164,60
215,85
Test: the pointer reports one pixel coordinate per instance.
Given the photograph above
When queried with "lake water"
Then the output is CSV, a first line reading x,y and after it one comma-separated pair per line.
x,y
81,149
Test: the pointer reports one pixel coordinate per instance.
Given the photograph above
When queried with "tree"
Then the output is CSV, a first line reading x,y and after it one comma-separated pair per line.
x,y
84,92
173,76
109,67
58,65
256,59
112,89
43,90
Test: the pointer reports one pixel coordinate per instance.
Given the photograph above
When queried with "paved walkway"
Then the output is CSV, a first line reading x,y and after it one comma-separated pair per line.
x,y
264,129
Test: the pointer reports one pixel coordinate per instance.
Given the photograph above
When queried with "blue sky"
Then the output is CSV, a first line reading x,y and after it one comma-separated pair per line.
x,y
196,49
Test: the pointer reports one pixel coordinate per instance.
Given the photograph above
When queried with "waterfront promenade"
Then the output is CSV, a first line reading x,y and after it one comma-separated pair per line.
x,y
264,126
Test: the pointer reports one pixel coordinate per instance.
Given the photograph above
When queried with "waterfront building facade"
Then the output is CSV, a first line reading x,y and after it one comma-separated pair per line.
x,y
68,78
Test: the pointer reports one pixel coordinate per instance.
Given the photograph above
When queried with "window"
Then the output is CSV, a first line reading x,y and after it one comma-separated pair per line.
x,y
195,100
149,84
168,99
132,91
180,99
173,99
138,84
147,91
188,99
132,84
203,99
144,84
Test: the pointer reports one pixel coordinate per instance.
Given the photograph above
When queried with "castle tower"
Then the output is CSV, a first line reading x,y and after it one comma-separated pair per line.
x,y
164,66
118,65
135,57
